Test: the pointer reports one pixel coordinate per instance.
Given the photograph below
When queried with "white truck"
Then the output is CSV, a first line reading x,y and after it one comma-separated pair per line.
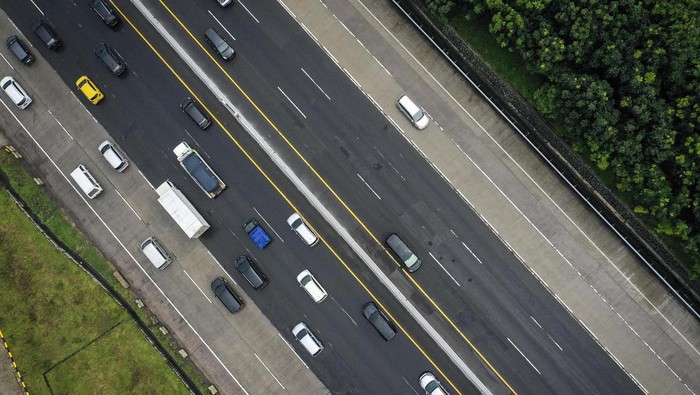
x,y
199,170
181,210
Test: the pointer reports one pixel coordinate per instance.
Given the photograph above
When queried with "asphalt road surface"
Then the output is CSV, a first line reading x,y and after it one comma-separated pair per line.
x,y
489,295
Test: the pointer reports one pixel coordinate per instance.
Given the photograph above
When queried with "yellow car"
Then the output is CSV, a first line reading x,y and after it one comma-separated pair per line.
x,y
89,89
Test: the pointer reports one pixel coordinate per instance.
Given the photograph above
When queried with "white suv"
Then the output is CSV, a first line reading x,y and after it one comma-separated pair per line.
x,y
307,281
15,92
302,230
307,339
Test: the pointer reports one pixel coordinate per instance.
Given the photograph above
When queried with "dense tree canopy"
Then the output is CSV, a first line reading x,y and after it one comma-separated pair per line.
x,y
624,77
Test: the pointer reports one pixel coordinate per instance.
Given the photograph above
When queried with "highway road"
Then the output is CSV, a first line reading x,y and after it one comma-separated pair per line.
x,y
141,111
489,295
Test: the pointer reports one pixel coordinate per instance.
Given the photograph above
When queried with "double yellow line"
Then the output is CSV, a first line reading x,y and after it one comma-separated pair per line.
x,y
323,181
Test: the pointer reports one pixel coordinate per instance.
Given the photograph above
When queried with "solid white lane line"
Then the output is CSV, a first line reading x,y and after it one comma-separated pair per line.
x,y
268,224
443,268
473,254
312,80
253,16
521,353
222,26
269,371
127,203
290,100
370,188
195,284
6,61
37,7
222,268
290,347
148,182
341,307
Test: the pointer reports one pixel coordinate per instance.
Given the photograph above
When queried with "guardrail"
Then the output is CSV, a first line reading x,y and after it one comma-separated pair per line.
x,y
553,150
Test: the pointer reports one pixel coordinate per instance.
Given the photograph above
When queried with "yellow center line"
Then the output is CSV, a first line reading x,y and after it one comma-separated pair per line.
x,y
323,181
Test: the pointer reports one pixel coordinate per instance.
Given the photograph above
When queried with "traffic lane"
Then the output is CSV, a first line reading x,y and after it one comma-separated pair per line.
x,y
280,73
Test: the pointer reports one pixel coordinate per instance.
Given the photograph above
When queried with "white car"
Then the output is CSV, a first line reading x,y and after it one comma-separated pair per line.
x,y
224,3
302,230
415,114
15,92
307,339
430,384
312,287
113,156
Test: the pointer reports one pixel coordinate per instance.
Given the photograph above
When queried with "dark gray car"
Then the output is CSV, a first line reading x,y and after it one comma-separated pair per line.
x,y
219,44
191,108
251,272
105,12
16,46
109,58
47,35
406,256
226,295
379,321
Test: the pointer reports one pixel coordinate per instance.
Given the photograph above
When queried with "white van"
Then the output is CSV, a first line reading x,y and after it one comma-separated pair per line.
x,y
15,92
302,230
86,181
155,253
307,339
414,113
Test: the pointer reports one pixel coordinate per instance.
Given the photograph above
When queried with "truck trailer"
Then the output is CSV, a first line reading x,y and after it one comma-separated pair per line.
x,y
181,210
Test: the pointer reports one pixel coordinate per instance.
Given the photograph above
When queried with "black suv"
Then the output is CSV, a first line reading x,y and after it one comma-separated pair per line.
x,y
105,12
379,321
219,44
19,50
110,59
47,35
226,295
251,272
191,108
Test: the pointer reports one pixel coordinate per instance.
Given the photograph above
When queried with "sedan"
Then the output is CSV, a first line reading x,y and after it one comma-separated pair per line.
x,y
251,272
109,58
226,295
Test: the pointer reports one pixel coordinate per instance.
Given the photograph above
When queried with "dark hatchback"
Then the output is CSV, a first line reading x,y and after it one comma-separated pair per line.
x,y
17,47
251,272
226,295
109,58
47,35
379,321
191,108
105,12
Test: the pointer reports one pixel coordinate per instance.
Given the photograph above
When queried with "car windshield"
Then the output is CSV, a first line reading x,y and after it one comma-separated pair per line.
x,y
296,223
302,333
201,173
432,386
306,280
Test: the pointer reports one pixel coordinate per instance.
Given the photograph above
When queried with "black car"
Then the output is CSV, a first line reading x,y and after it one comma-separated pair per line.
x,y
379,321
47,35
220,45
105,12
226,295
251,272
16,46
191,108
109,58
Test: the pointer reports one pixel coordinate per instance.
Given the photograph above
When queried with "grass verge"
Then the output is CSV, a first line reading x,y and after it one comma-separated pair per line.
x,y
48,212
